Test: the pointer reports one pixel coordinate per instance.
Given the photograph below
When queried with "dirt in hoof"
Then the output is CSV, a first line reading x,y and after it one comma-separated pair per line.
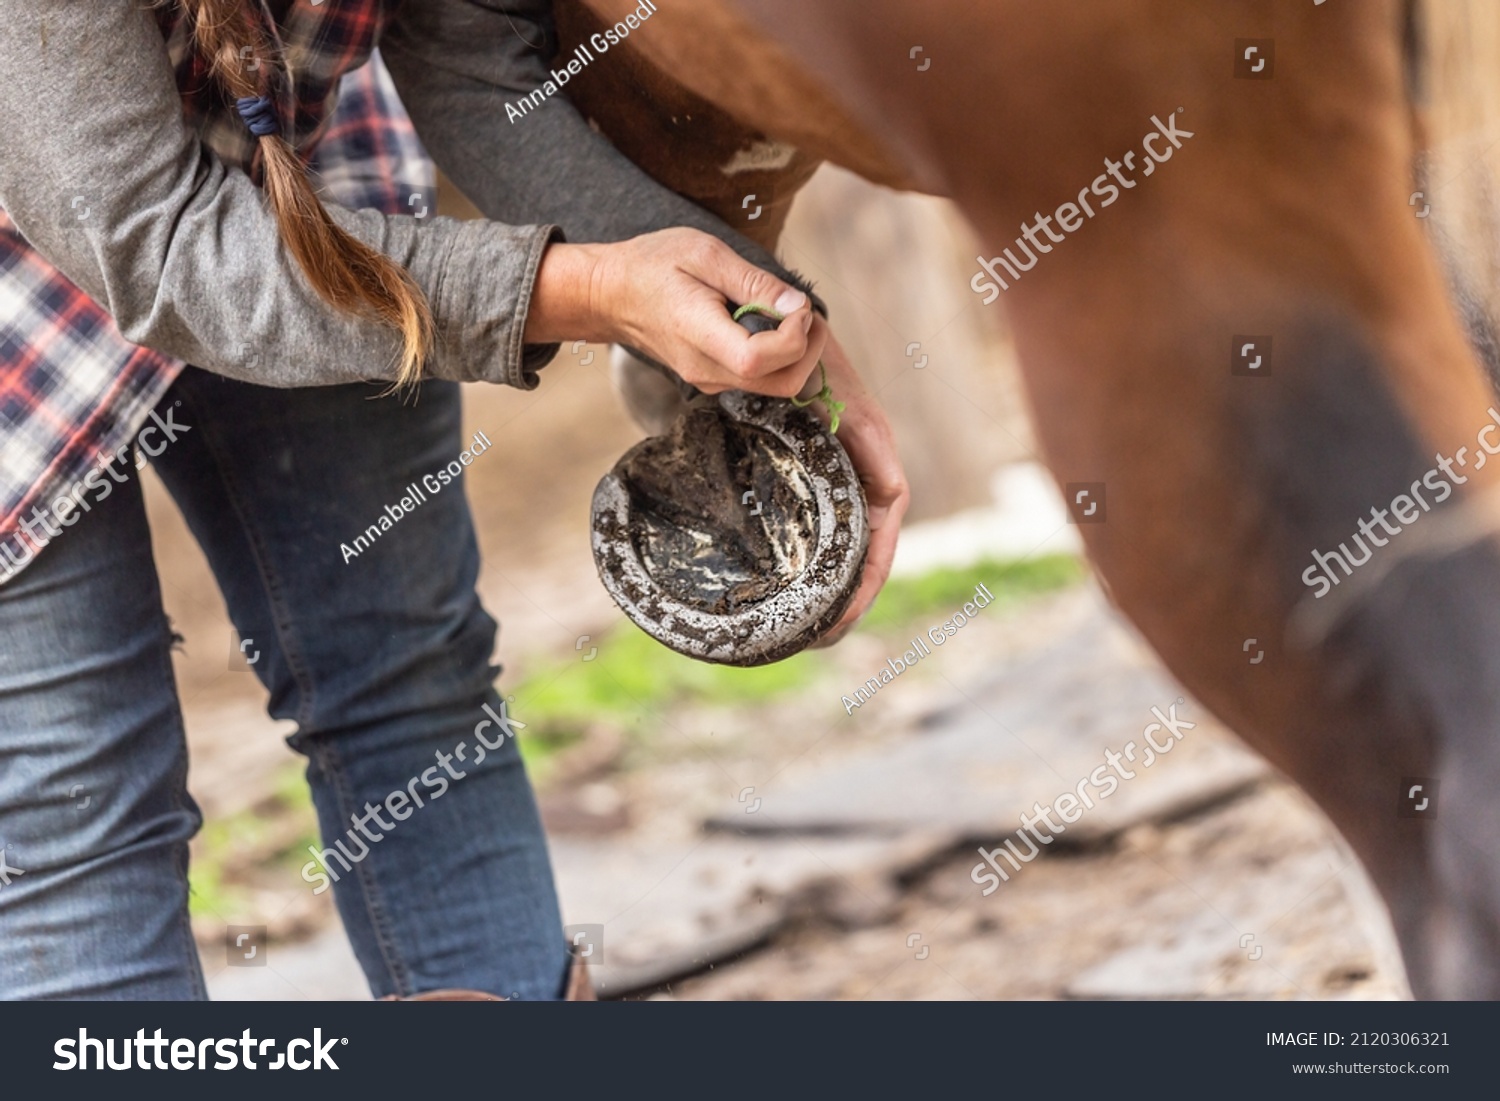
x,y
722,514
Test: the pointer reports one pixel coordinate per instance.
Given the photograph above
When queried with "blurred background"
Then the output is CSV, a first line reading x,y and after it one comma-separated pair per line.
x,y
738,833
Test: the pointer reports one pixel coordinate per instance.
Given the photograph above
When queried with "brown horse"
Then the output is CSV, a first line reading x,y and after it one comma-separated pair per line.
x,y
1249,352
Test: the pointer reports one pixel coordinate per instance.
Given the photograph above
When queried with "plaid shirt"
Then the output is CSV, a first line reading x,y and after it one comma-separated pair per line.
x,y
73,391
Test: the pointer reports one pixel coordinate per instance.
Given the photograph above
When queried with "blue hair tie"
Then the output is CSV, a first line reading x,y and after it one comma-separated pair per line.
x,y
259,114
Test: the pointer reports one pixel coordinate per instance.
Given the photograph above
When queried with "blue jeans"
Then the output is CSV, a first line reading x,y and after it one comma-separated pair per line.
x,y
383,661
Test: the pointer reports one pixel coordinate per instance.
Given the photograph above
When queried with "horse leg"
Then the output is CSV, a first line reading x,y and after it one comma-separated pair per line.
x,y
1283,215
678,137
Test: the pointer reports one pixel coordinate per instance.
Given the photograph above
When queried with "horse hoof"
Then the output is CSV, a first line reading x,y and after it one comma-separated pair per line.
x,y
737,538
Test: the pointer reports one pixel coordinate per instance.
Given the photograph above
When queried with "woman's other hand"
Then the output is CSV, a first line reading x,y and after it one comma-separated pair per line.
x,y
867,437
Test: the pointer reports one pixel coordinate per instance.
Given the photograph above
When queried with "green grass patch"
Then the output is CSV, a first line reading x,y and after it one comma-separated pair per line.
x,y
227,847
945,590
633,676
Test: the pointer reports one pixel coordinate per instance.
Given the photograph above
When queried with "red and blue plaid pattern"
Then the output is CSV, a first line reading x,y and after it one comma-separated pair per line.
x,y
72,389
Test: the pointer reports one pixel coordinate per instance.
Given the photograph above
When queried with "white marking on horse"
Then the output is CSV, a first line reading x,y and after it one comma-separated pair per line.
x,y
761,156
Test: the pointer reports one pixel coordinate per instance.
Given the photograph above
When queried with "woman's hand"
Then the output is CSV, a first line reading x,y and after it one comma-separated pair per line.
x,y
867,437
665,293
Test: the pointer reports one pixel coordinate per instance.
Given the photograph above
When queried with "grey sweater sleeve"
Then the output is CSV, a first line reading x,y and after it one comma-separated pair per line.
x,y
100,174
456,62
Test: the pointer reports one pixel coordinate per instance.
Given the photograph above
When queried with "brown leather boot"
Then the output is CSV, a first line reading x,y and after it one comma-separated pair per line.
x,y
445,996
580,985
580,989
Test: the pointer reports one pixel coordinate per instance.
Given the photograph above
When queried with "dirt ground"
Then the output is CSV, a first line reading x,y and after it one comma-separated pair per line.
x,y
1046,933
